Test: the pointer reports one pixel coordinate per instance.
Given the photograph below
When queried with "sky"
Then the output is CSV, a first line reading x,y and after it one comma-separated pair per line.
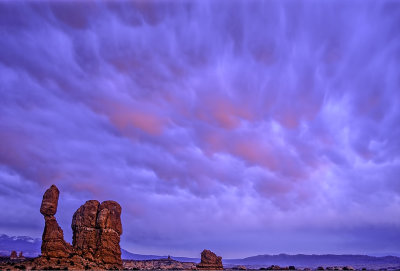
x,y
244,127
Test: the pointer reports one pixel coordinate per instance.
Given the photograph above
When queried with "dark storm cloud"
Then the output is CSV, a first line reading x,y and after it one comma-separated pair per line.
x,y
219,119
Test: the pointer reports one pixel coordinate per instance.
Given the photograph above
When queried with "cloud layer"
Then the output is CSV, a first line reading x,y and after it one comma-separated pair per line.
x,y
243,126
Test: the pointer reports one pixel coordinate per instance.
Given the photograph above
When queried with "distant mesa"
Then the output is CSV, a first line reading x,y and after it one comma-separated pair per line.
x,y
210,261
96,235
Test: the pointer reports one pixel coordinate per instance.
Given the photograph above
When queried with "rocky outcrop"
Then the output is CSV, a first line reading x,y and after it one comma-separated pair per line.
x,y
210,261
110,229
53,243
85,234
96,232
276,267
50,201
96,235
13,255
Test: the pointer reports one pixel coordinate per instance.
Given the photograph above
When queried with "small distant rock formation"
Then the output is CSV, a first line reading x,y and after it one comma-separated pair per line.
x,y
276,267
96,235
21,256
13,255
210,261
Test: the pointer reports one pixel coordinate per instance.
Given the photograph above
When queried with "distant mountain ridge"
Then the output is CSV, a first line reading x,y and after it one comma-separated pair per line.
x,y
31,248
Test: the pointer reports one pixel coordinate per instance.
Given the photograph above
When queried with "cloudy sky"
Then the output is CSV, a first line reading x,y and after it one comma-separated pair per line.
x,y
244,127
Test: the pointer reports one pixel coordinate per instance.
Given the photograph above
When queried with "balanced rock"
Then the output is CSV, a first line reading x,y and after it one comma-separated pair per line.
x,y
210,261
53,243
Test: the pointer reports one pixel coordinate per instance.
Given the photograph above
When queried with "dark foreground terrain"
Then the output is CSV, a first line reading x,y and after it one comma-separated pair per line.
x,y
170,264
31,249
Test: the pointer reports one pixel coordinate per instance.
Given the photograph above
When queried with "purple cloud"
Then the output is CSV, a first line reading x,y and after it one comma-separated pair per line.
x,y
244,127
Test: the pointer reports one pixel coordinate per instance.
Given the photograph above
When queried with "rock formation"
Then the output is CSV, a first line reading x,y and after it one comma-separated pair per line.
x,y
85,234
110,228
96,232
275,267
21,256
50,201
210,261
53,243
13,255
96,235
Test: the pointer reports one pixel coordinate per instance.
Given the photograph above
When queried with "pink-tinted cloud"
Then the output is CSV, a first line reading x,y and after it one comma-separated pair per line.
x,y
124,116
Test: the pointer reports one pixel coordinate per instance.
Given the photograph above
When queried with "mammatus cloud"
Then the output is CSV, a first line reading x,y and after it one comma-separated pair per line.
x,y
245,127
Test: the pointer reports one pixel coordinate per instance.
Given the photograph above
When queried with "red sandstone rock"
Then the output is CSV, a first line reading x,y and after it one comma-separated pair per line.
x,y
53,243
109,216
86,215
210,261
109,222
96,232
50,201
96,235
85,235
13,255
